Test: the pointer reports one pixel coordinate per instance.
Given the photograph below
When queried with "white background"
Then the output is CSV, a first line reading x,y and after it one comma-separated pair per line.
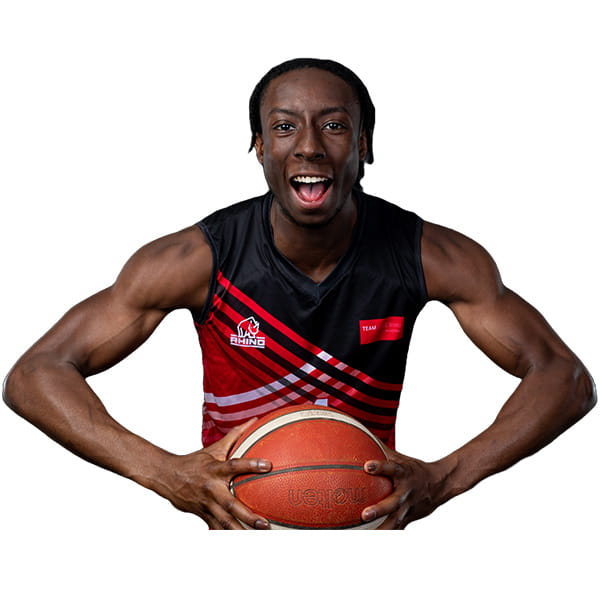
x,y
123,121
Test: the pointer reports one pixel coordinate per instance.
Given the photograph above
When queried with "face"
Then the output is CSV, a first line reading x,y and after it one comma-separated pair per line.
x,y
311,144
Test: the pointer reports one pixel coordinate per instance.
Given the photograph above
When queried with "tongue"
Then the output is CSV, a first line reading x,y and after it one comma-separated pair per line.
x,y
310,193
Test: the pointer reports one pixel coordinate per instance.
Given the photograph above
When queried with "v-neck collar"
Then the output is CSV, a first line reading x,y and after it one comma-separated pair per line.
x,y
298,279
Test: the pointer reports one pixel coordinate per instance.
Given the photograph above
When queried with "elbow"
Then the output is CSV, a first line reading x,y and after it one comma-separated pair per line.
x,y
584,396
570,386
8,389
12,388
29,383
20,382
588,386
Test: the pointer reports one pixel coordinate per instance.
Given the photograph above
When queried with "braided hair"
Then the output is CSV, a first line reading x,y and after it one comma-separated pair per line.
x,y
367,112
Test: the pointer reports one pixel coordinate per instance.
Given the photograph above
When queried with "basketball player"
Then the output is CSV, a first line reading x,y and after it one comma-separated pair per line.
x,y
308,293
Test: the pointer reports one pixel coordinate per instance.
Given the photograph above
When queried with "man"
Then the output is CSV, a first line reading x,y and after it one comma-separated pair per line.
x,y
308,293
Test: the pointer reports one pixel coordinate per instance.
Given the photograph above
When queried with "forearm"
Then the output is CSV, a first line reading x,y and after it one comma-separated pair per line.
x,y
547,402
54,397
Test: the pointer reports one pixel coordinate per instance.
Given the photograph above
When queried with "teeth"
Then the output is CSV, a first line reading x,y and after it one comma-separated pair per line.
x,y
309,179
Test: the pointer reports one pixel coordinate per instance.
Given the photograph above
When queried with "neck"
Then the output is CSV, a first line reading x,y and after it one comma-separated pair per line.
x,y
315,251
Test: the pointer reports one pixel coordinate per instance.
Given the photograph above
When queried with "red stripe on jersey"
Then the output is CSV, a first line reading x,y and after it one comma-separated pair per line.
x,y
224,387
242,381
291,334
247,361
234,394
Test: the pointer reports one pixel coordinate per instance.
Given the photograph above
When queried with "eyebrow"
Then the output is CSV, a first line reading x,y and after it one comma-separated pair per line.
x,y
322,112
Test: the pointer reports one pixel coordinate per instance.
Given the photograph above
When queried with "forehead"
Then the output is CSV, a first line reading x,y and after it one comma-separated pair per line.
x,y
308,89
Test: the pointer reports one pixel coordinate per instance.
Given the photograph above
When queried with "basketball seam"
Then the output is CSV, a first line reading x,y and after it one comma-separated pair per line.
x,y
355,526
312,528
280,426
337,418
233,485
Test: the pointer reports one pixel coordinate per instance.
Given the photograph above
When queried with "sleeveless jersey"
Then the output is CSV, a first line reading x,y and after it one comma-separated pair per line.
x,y
270,336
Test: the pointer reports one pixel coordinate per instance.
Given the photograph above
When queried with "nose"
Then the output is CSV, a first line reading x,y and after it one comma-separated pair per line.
x,y
309,145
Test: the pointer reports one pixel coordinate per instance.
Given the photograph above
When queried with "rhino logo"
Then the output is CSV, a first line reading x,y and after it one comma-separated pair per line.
x,y
248,327
247,334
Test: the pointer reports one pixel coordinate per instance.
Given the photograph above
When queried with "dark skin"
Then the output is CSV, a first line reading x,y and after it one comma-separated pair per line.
x,y
313,134
310,126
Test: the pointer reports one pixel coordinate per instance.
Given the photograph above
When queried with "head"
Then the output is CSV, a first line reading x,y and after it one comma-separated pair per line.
x,y
313,117
367,111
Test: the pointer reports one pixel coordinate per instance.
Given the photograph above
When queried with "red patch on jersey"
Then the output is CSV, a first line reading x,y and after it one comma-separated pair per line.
x,y
384,329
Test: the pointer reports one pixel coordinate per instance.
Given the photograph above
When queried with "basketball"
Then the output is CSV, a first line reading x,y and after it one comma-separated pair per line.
x,y
317,479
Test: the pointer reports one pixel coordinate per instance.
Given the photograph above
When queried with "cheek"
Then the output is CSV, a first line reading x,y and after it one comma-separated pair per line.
x,y
352,163
270,153
272,172
268,164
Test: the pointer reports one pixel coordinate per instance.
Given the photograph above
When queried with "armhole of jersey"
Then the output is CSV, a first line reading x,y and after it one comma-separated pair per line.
x,y
200,317
419,265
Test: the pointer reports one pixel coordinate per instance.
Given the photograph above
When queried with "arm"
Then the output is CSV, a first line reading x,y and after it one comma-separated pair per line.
x,y
47,386
555,389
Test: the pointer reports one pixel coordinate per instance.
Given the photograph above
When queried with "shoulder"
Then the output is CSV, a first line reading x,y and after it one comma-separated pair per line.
x,y
382,208
390,223
233,215
457,268
233,223
171,272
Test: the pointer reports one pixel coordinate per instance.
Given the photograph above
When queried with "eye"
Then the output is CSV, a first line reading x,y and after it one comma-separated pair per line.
x,y
335,126
284,127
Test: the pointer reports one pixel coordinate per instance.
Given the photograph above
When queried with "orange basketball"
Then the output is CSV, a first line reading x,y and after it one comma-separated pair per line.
x,y
317,479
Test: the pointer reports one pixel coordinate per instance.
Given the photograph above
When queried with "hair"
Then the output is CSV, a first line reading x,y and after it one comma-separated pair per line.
x,y
367,111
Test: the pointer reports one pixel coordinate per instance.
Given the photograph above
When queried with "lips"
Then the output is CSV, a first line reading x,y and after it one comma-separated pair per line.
x,y
311,189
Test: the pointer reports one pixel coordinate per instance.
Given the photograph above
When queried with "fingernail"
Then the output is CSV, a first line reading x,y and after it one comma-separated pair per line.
x,y
261,523
369,515
264,465
371,467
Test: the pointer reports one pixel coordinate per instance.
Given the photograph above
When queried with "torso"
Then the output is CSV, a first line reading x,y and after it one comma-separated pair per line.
x,y
271,335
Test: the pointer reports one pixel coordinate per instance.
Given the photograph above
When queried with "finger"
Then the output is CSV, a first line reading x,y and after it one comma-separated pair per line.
x,y
389,506
241,428
222,448
243,515
238,466
212,522
396,520
387,469
227,502
223,520
233,514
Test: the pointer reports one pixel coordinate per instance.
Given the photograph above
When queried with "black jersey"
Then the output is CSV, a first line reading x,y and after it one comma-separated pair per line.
x,y
271,336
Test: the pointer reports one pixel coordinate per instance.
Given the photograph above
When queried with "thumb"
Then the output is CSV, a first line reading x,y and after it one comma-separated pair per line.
x,y
220,449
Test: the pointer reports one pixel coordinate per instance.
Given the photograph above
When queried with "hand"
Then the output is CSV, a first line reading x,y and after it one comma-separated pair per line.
x,y
416,488
202,484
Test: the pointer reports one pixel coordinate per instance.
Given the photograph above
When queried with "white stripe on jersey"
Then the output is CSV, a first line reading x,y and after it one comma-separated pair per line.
x,y
255,394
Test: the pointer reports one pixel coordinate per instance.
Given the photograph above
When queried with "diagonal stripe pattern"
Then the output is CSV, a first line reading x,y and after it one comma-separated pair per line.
x,y
274,366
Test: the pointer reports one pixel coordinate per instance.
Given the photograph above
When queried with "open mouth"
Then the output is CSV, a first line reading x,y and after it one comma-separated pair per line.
x,y
311,189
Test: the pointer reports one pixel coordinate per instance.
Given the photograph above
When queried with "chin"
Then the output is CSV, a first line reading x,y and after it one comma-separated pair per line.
x,y
308,220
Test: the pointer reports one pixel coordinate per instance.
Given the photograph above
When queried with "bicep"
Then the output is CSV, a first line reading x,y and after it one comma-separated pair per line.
x,y
461,274
170,273
511,332
98,332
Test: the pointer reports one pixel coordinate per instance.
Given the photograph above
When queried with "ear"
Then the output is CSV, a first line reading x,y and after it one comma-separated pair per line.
x,y
363,145
259,148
